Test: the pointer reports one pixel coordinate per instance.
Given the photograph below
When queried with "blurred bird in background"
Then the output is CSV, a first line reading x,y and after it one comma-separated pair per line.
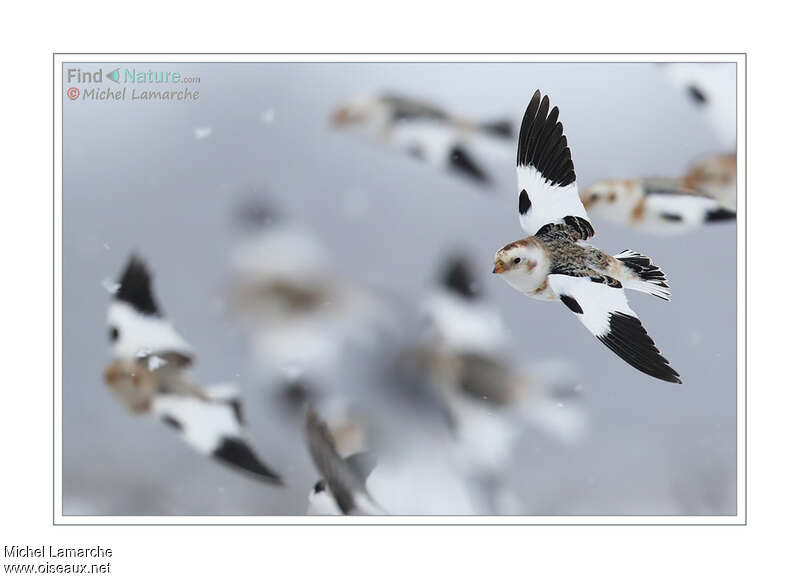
x,y
303,320
655,205
149,376
709,88
316,338
489,399
706,193
714,175
474,150
342,488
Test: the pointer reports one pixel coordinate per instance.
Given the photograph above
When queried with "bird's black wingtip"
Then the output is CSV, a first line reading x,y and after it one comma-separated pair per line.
x,y
135,286
256,213
458,277
238,453
628,339
720,214
542,144
462,162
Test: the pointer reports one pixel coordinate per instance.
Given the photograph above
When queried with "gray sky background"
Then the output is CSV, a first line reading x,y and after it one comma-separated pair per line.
x,y
135,177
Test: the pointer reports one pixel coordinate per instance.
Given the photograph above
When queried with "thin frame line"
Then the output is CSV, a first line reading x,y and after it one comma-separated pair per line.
x,y
744,169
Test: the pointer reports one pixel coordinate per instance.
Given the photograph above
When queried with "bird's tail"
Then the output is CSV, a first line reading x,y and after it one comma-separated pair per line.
x,y
644,276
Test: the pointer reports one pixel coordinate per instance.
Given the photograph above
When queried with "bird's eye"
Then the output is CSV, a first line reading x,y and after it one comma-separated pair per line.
x,y
517,260
113,334
594,197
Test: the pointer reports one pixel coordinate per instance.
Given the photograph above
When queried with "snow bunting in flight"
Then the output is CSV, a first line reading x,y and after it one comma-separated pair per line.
x,y
342,490
149,375
470,149
303,319
488,398
656,205
555,263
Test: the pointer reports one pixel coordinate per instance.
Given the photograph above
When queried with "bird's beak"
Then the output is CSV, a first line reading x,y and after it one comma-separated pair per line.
x,y
498,267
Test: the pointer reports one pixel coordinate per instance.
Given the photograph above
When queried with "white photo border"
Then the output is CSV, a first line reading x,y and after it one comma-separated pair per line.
x,y
740,59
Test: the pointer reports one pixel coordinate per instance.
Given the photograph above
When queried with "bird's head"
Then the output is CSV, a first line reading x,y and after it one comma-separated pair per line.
x,y
603,193
362,114
611,197
523,264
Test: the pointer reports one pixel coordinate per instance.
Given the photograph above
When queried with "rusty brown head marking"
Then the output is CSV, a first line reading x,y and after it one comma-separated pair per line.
x,y
527,242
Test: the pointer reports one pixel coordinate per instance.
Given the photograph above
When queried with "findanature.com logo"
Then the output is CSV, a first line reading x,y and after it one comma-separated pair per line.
x,y
132,76
129,75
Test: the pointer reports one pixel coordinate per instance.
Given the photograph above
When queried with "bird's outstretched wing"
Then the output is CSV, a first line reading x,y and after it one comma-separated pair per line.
x,y
605,312
344,478
213,425
137,326
548,190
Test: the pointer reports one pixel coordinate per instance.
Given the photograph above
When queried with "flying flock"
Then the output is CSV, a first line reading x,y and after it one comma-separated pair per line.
x,y
304,321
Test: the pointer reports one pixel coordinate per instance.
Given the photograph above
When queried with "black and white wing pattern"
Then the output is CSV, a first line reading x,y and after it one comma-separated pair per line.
x,y
137,326
213,425
548,190
605,312
344,478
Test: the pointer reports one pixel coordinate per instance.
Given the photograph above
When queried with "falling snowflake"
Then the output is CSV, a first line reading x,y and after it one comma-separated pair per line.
x,y
292,372
110,285
142,353
155,362
202,132
268,116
